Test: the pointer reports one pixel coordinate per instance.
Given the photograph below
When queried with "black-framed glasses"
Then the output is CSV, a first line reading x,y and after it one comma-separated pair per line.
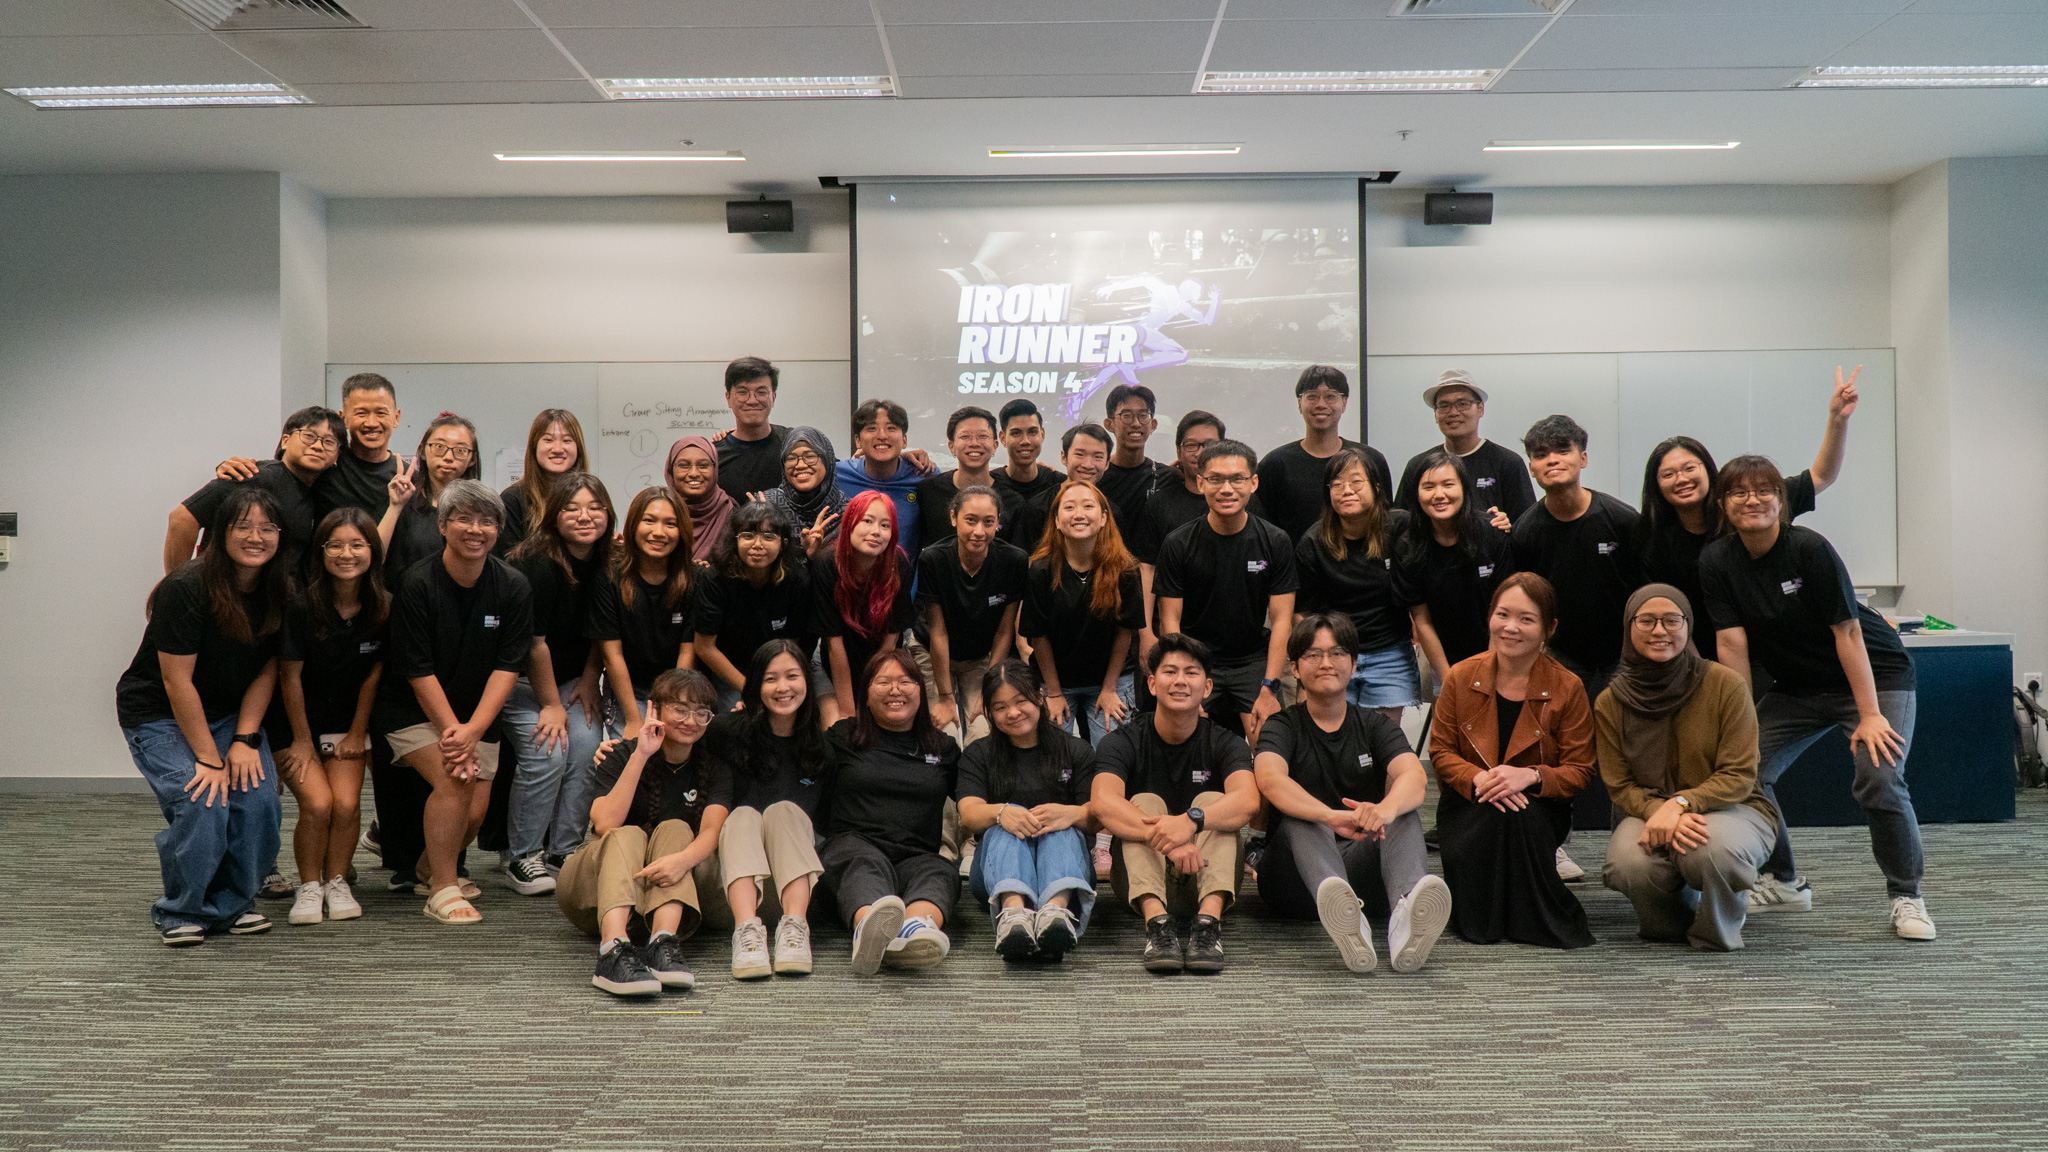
x,y
1648,623
1462,404
313,439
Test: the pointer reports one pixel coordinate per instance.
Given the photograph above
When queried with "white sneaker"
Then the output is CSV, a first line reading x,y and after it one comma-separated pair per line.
x,y
341,902
1338,908
1568,870
750,951
793,946
872,936
1417,921
918,944
306,904
1910,919
529,875
1771,894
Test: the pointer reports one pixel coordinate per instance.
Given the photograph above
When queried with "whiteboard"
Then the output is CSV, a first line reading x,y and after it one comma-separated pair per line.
x,y
1768,402
630,411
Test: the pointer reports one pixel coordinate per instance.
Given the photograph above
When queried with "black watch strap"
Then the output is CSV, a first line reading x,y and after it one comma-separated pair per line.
x,y
1200,818
252,739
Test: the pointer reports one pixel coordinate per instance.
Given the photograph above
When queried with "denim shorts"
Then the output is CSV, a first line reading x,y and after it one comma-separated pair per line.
x,y
1385,678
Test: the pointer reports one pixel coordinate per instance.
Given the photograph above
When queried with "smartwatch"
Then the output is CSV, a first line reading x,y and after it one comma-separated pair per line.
x,y
252,739
1272,686
1198,816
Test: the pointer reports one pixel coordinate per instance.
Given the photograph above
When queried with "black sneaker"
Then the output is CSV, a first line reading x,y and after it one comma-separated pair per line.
x,y
621,973
400,882
1162,946
663,956
249,923
1205,945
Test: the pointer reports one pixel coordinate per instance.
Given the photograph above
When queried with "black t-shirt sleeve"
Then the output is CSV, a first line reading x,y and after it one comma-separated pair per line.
x,y
1131,601
1236,757
1169,574
1825,583
179,618
973,771
1117,755
710,607
412,632
609,769
928,575
1277,736
205,504
825,610
1031,620
1716,584
717,782
1310,582
515,629
1385,739
296,638
1284,578
605,609
901,613
1802,495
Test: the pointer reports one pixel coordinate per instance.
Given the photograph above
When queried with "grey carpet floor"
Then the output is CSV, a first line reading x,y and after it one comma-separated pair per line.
x,y
1826,1034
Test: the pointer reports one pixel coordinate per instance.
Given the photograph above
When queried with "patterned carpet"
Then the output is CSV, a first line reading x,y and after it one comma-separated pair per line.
x,y
393,1032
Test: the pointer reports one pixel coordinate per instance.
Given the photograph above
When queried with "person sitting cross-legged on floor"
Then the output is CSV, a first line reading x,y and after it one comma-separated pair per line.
x,y
1678,748
1347,786
1157,782
1024,789
656,822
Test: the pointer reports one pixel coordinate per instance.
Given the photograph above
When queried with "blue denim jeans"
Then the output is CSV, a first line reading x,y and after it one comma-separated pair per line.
x,y
213,858
1082,719
1788,725
551,791
1385,678
1037,869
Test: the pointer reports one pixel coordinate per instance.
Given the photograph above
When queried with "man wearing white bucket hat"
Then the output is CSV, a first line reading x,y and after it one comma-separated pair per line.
x,y
1500,478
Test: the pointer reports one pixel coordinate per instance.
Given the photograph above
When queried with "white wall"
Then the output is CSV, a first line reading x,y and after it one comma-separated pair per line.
x,y
302,296
1920,332
139,342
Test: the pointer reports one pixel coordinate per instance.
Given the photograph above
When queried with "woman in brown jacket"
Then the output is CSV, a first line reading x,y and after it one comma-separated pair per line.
x,y
1506,803
1678,749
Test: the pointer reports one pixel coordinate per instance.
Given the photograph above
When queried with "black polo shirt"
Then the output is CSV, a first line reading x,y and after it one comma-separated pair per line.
x,y
1359,586
1348,764
181,623
1456,585
1224,582
1176,773
972,606
460,636
561,609
334,663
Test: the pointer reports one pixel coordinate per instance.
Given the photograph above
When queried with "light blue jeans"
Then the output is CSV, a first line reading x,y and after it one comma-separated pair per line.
x,y
1082,720
1037,869
551,791
1385,678
213,858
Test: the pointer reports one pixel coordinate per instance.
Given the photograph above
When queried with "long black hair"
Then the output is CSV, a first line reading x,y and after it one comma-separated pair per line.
x,y
749,751
217,571
372,596
545,537
1002,755
1470,521
757,516
1658,513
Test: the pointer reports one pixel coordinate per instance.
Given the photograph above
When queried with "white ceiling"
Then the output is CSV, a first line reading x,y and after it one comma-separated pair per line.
x,y
416,104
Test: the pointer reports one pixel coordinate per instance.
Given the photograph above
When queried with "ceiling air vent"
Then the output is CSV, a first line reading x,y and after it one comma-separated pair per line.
x,y
1479,7
267,15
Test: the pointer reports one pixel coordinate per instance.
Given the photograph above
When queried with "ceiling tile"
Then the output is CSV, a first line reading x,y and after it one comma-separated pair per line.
x,y
1048,49
1975,39
485,92
1694,41
427,15
36,61
404,57
93,18
1041,11
992,87
1349,45
1647,79
701,13
620,52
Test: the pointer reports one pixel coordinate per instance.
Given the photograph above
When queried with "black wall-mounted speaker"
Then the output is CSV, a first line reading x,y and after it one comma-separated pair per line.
x,y
759,216
1457,208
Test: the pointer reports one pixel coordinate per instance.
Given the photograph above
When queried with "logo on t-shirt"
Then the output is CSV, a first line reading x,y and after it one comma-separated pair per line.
x,y
1255,566
1199,776
1485,570
807,782
1066,774
778,625
930,759
490,621
676,619
1793,585
690,797
369,646
998,598
1607,547
1365,759
1482,481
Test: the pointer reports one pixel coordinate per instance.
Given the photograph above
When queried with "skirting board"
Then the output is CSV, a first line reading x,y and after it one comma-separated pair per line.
x,y
45,785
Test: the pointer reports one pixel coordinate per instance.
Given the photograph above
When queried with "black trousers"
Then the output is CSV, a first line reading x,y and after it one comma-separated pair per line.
x,y
1502,872
860,872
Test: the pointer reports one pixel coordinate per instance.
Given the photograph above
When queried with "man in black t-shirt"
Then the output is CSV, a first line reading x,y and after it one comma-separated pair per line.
x,y
750,453
1292,474
1500,481
1174,788
1084,449
971,438
1229,580
307,448
363,470
1132,417
1347,786
1023,436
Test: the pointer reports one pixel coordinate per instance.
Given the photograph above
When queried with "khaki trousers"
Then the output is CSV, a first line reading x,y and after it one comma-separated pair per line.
x,y
778,844
599,878
966,692
1137,871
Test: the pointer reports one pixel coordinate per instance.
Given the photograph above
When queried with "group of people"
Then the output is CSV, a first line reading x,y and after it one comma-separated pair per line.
x,y
784,673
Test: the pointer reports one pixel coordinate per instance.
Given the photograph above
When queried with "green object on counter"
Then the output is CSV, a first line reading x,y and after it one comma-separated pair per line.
x,y
1936,624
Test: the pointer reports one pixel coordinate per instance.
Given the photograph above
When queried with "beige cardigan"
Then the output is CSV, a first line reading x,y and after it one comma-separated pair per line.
x,y
1717,753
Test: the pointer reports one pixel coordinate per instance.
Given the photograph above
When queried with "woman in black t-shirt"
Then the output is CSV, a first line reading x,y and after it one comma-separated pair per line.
x,y
410,529
641,614
1447,563
328,669
1781,599
1084,605
861,589
554,448
757,589
885,821
776,749
1346,563
1024,790
191,707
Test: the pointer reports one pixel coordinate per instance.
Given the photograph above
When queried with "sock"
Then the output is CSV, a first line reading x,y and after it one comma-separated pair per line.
x,y
652,937
605,949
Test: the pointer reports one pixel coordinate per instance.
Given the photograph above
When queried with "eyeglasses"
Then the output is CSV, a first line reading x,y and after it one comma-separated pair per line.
x,y
450,452
337,547
804,456
313,439
467,521
1325,656
1745,495
1652,623
686,714
1459,405
1350,485
254,531
1130,416
1322,396
1228,481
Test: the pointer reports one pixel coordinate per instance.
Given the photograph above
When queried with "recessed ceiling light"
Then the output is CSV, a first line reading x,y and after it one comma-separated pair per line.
x,y
1611,145
160,95
617,157
1442,80
1065,150
747,87
1929,76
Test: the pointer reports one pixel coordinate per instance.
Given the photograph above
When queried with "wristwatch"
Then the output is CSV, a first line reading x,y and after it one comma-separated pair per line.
x,y
1683,802
252,739
1272,686
1198,816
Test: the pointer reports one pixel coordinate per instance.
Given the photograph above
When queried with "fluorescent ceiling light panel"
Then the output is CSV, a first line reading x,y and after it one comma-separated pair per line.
x,y
616,157
160,95
1439,80
1930,76
747,87
1611,145
1072,150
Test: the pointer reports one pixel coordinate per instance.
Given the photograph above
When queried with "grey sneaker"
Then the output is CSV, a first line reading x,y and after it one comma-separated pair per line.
x,y
1568,869
622,973
750,951
871,937
1770,894
1338,908
1910,919
793,946
663,956
1057,930
1014,939
1417,921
